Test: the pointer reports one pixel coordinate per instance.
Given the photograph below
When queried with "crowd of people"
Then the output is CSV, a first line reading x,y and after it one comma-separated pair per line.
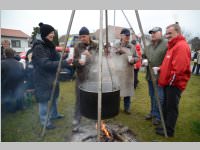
x,y
166,59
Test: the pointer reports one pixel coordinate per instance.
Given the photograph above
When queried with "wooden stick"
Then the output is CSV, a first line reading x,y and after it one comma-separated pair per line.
x,y
107,51
100,78
128,22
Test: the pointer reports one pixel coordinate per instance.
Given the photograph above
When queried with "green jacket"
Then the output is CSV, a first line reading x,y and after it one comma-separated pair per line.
x,y
155,55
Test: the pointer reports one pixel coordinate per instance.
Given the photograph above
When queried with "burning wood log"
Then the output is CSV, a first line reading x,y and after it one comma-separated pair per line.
x,y
119,137
109,133
88,137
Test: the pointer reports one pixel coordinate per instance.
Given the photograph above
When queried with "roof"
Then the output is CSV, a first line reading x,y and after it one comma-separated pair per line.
x,y
13,33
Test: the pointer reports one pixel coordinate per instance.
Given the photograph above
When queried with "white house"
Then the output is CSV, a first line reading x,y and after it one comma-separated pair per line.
x,y
18,39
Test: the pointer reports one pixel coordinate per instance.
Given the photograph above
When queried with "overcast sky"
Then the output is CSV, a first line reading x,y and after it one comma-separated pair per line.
x,y
25,20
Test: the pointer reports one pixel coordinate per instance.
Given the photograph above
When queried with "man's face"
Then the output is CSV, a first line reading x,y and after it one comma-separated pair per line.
x,y
155,36
84,38
6,45
125,38
50,36
171,33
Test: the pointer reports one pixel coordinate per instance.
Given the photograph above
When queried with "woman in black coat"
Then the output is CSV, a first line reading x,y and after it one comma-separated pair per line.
x,y
45,60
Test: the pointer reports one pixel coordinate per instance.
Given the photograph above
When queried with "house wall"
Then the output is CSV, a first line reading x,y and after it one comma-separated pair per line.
x,y
24,43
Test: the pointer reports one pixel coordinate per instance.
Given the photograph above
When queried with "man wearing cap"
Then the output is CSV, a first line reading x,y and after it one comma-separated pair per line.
x,y
155,53
45,60
88,48
123,49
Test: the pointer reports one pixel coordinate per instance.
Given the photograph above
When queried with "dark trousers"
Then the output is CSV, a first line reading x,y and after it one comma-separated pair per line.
x,y
136,78
170,107
127,103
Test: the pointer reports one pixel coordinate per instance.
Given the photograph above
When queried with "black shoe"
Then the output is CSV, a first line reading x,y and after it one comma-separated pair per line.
x,y
148,117
51,126
156,122
60,116
161,132
128,112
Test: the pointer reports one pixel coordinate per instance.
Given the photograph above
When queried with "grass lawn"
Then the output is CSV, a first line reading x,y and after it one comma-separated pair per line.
x,y
24,125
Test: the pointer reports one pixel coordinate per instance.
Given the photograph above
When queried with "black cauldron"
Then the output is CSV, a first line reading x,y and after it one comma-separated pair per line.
x,y
89,100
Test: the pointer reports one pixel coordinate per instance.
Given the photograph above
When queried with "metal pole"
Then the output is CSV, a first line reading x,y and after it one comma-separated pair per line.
x,y
152,76
100,78
57,74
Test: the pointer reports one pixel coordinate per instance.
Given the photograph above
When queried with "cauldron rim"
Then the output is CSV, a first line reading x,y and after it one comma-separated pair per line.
x,y
89,91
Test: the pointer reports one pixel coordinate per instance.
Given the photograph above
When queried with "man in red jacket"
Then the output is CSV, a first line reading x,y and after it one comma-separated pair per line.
x,y
174,75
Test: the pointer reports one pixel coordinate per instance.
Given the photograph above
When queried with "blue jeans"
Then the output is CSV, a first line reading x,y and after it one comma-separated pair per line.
x,y
127,103
154,107
43,107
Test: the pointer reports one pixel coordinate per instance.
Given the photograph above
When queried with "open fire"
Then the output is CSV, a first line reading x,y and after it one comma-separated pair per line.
x,y
105,133
109,133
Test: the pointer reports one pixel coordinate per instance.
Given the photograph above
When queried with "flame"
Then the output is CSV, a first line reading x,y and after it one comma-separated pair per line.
x,y
104,129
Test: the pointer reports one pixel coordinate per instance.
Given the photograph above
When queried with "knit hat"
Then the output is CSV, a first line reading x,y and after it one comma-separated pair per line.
x,y
84,31
45,29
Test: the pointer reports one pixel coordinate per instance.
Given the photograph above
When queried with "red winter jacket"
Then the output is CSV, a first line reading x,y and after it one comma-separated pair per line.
x,y
138,64
175,68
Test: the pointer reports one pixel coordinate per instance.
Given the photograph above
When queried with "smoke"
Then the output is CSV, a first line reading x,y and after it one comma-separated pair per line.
x,y
110,81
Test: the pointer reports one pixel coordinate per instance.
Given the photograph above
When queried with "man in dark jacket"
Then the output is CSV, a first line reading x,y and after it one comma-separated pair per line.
x,y
45,60
86,47
12,82
174,75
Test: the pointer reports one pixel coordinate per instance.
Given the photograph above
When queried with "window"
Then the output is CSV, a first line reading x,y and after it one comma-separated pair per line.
x,y
16,43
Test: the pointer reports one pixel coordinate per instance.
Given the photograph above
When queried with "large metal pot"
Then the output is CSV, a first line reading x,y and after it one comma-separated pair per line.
x,y
89,100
